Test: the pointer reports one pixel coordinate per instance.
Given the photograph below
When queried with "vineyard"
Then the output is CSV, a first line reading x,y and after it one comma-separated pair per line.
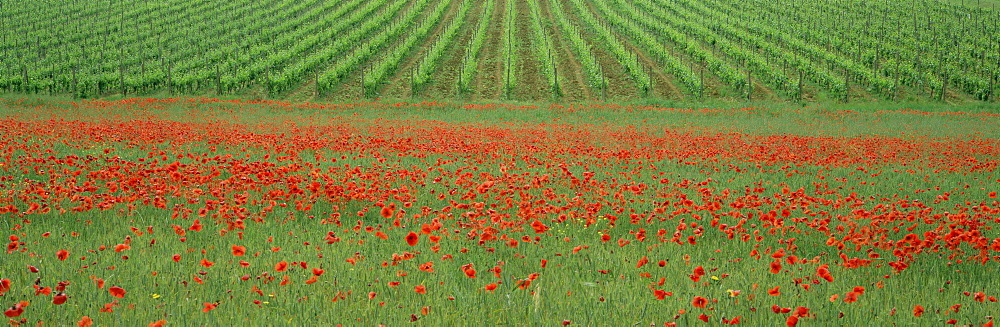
x,y
564,50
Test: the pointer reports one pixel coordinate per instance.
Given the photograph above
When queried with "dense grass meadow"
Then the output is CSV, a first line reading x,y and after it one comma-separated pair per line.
x,y
202,211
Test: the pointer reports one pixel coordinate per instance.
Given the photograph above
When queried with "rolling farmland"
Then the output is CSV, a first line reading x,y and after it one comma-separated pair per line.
x,y
567,50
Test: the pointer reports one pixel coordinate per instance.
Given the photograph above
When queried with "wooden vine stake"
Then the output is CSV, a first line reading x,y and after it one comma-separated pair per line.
x,y
801,75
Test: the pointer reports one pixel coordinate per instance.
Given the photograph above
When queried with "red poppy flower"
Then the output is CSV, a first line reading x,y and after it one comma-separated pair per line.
x,y
699,302
158,323
412,239
206,263
281,266
14,311
209,306
775,266
33,269
918,310
774,291
851,297
539,227
792,321
239,250
420,289
62,255
117,292
176,258
490,287
85,321
4,286
387,212
703,317
59,298
318,271
662,295
642,262
42,290
122,247
860,290
470,272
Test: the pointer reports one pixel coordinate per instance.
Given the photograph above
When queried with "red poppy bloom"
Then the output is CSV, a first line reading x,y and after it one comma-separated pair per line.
x,y
412,239
117,292
176,258
281,266
642,262
792,321
860,290
490,287
774,291
470,272
662,295
387,212
15,310
239,250
85,321
539,227
699,302
428,267
158,323
42,290
122,247
420,289
206,263
209,306
318,271
59,298
703,317
4,286
775,266
918,310
62,255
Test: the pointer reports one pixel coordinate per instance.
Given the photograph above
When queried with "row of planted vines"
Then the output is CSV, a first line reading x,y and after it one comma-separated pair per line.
x,y
534,50
208,212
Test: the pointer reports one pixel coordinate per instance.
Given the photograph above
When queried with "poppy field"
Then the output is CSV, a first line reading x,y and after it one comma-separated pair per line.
x,y
199,211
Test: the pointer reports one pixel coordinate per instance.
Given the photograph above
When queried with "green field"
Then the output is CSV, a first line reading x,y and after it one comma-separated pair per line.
x,y
500,162
563,51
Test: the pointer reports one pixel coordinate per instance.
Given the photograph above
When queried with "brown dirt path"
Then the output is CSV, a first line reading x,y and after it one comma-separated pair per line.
x,y
571,79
